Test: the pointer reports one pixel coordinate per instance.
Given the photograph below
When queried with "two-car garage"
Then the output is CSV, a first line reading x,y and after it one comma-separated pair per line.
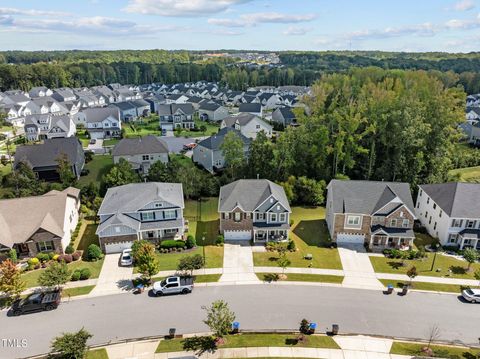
x,y
117,247
350,238
237,235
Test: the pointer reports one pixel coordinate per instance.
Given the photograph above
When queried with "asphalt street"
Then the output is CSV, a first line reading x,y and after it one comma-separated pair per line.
x,y
122,316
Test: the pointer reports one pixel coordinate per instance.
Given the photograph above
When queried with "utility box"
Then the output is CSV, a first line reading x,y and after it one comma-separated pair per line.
x,y
311,328
335,329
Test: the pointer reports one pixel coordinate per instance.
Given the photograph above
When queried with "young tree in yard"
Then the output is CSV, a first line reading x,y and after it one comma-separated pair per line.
x,y
477,274
146,260
120,174
283,262
65,171
412,273
470,255
232,150
55,275
159,172
71,345
11,283
219,318
190,263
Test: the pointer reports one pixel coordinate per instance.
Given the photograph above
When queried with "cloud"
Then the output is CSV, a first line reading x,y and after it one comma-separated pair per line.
x,y
254,19
464,5
463,24
296,31
181,8
30,12
426,29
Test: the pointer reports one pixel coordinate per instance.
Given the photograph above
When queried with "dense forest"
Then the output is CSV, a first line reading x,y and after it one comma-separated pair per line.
x,y
23,70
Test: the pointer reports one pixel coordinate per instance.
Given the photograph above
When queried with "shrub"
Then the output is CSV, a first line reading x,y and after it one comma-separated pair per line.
x,y
51,255
190,242
291,246
55,257
75,275
43,257
67,258
220,240
291,222
85,273
76,256
171,243
69,249
270,246
190,263
94,253
33,262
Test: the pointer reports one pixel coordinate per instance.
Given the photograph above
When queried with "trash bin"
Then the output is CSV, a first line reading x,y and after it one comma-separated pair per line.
x,y
235,327
389,289
139,288
171,332
334,329
405,290
311,328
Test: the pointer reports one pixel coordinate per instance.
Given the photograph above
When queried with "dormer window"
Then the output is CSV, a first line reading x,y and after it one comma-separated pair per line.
x,y
158,205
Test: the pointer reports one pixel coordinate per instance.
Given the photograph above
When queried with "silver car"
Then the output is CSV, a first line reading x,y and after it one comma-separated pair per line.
x,y
471,295
126,258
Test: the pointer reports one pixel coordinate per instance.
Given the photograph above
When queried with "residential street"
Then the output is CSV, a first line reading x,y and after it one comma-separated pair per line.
x,y
256,307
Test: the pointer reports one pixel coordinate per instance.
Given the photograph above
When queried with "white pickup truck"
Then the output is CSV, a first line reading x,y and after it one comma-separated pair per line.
x,y
173,285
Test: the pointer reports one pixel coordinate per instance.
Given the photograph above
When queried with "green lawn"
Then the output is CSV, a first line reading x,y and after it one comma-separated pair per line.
x,y
310,234
72,292
139,129
97,354
467,174
442,351
211,129
422,239
88,237
436,287
213,257
298,277
110,142
443,264
98,166
257,340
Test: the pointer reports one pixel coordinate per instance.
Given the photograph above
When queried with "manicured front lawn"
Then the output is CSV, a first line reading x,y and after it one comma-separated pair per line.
x,y
422,239
441,351
211,129
110,142
146,127
204,278
298,277
257,340
436,287
98,166
310,233
443,263
97,354
72,292
88,236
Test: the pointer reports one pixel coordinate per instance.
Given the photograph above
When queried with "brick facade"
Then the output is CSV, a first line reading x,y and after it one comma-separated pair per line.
x,y
245,224
339,226
44,236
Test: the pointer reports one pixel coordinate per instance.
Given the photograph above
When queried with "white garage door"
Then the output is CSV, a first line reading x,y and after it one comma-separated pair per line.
x,y
117,247
237,235
350,238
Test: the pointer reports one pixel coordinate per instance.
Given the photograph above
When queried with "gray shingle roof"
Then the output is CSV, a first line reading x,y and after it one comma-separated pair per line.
x,y
214,142
242,119
456,199
138,146
367,197
249,194
101,113
250,107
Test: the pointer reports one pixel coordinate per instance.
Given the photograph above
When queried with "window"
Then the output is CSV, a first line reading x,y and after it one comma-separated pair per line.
x,y
406,223
273,217
45,246
353,221
227,215
470,224
117,229
457,222
435,226
158,205
238,217
440,214
418,204
426,214
430,220
147,216
393,223
145,157
428,200
420,193
170,214
260,216
283,217
452,238
434,206
171,230
257,127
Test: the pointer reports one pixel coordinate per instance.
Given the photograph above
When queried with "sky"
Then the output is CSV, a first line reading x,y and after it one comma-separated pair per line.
x,y
387,25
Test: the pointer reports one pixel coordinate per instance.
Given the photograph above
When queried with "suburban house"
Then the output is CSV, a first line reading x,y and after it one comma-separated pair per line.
x,y
379,215
150,210
43,158
451,213
249,125
473,114
269,101
142,107
102,122
176,98
208,153
253,108
141,152
254,209
211,111
127,110
63,94
39,224
284,116
176,116
40,127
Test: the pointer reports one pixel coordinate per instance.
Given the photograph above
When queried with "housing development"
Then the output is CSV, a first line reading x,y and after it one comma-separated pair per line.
x,y
316,203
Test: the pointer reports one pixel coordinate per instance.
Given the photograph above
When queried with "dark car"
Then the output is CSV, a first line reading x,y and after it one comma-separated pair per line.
x,y
36,302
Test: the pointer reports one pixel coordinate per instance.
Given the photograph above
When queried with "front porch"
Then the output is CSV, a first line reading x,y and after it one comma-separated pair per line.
x,y
158,235
469,238
378,243
270,235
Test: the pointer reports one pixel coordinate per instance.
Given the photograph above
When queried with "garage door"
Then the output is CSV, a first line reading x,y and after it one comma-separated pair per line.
x,y
117,247
237,235
350,238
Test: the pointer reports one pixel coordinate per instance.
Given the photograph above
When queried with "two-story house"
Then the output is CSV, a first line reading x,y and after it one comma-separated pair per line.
x,y
40,223
254,209
141,152
174,116
377,214
249,125
451,213
151,211
102,122
46,126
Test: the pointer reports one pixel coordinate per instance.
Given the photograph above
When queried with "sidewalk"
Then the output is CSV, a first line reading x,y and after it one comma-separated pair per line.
x,y
351,347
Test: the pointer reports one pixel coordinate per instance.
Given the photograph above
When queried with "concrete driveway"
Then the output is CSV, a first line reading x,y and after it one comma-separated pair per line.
x,y
357,267
238,263
113,278
175,144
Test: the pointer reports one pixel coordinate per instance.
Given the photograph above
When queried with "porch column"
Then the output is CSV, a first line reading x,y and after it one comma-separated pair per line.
x,y
461,243
254,235
399,242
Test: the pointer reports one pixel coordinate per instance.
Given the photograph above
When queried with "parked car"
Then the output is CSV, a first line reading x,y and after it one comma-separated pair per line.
x,y
126,258
92,141
36,302
471,295
189,146
173,285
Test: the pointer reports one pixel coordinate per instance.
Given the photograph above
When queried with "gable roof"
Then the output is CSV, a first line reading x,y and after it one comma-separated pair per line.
x,y
368,197
456,199
248,194
242,119
215,141
100,113
141,145
170,109
250,107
